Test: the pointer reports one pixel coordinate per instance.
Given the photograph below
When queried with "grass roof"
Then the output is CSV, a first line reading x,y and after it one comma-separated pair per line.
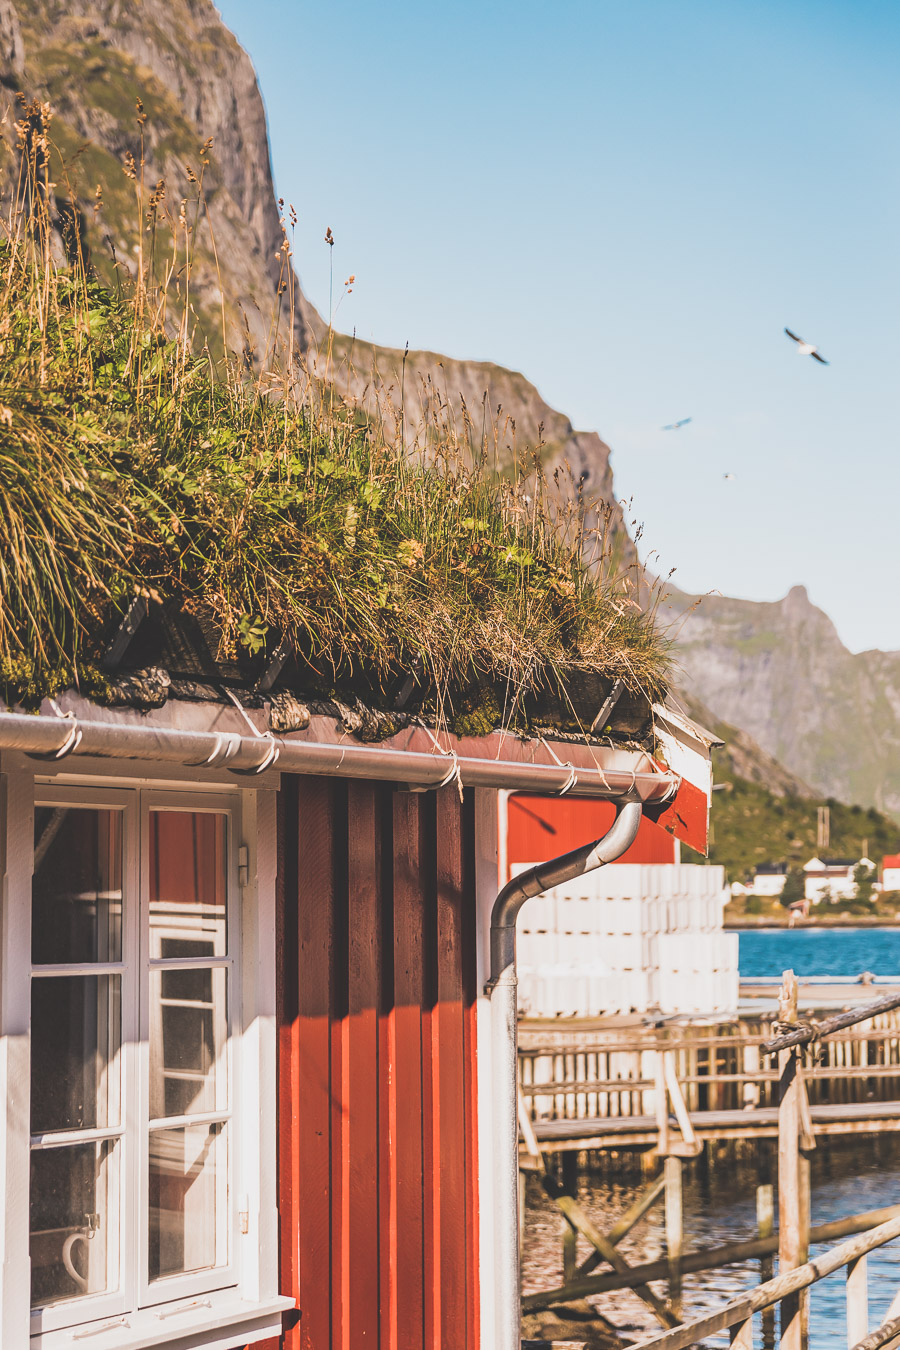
x,y
268,509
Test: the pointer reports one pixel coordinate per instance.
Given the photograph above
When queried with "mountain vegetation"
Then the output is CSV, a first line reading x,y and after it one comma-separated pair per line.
x,y
266,507
760,813
779,672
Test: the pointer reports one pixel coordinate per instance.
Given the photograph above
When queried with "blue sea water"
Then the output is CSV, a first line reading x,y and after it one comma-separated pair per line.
x,y
765,953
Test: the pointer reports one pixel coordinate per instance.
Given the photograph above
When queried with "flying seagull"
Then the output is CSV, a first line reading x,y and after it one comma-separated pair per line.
x,y
728,475
674,426
805,348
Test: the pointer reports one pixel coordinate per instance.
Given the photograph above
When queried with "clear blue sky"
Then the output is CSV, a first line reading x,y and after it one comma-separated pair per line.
x,y
628,202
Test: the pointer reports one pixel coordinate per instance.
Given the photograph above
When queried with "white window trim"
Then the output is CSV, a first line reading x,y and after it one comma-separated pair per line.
x,y
220,1318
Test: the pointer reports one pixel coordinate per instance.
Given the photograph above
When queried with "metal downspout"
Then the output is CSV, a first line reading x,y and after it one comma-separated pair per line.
x,y
504,1048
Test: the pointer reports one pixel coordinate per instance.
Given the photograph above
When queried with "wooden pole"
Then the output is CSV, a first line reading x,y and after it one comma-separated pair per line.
x,y
711,1258
623,1226
765,1227
793,1181
579,1220
857,1302
570,1255
569,1168
674,1228
741,1335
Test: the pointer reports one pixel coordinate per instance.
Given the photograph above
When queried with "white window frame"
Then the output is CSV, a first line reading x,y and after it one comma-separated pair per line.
x,y
237,1303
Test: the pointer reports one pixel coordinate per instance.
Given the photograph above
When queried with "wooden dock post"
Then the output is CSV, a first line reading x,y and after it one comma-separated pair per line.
x,y
793,1179
674,1228
857,1302
765,1227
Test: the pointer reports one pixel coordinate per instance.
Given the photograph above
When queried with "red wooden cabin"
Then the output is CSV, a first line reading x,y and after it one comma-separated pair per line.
x,y
246,1060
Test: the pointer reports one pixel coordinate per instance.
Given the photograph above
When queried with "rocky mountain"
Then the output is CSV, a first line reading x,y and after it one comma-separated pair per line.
x,y
780,672
91,61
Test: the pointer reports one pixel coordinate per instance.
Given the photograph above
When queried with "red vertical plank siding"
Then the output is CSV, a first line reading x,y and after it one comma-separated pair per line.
x,y
360,1295
431,1060
449,1127
407,1254
315,923
470,1073
377,1121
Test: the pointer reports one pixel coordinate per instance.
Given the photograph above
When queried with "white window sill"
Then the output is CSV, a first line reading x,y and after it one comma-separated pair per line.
x,y
229,1323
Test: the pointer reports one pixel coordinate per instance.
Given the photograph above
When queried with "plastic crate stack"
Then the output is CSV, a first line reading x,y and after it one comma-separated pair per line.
x,y
629,938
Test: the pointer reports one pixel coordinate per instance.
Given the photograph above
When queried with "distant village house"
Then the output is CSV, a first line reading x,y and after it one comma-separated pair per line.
x,y
832,878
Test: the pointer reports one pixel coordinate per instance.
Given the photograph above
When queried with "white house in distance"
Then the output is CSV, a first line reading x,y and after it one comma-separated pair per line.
x,y
890,872
769,879
832,878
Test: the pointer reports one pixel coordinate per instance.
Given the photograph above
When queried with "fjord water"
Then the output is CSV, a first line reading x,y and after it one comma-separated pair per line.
x,y
766,952
848,1177
720,1207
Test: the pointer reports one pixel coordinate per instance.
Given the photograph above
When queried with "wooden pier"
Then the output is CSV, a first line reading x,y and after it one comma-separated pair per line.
x,y
789,1077
594,1085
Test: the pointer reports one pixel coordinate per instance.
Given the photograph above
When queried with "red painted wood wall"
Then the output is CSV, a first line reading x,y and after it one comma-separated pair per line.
x,y
543,827
377,1124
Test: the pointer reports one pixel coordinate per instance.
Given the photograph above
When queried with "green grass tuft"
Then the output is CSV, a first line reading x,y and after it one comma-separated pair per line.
x,y
267,509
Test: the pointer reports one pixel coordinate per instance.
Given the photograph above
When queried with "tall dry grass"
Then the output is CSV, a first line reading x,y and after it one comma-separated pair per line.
x,y
257,499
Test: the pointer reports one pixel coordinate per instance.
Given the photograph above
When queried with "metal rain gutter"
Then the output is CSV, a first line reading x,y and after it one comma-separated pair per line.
x,y
56,738
504,1052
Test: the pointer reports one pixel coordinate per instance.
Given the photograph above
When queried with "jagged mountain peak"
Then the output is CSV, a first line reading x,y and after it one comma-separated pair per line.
x,y
779,670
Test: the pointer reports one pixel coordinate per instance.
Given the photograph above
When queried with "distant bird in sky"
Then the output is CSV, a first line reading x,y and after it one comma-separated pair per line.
x,y
674,426
806,348
728,476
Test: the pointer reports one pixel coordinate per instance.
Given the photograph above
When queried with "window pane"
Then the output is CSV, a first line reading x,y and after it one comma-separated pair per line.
x,y
187,883
187,1199
75,1037
73,1203
188,1030
77,889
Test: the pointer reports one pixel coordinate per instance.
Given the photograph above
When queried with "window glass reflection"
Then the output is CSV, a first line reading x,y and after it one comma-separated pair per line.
x,y
187,880
187,1200
77,886
188,1029
73,1201
75,1037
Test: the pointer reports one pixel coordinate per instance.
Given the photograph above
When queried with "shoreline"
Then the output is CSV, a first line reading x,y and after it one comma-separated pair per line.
x,y
748,922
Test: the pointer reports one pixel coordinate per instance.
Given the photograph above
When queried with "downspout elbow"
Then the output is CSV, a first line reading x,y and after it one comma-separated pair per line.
x,y
618,838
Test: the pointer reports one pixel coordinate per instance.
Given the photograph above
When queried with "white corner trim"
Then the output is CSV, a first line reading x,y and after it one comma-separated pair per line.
x,y
486,888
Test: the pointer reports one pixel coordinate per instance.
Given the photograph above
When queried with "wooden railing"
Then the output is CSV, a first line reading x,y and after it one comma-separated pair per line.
x,y
582,1076
676,1143
787,1289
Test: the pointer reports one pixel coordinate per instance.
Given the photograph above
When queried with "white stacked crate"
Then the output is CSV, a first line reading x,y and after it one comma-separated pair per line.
x,y
632,937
